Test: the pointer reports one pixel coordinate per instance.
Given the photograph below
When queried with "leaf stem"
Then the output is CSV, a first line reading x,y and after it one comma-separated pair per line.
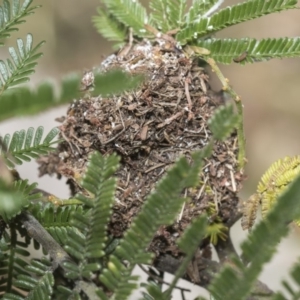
x,y
240,128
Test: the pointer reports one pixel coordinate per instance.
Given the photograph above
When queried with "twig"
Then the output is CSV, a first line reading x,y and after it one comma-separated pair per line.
x,y
155,167
70,143
169,120
56,252
118,134
188,97
126,49
41,235
233,183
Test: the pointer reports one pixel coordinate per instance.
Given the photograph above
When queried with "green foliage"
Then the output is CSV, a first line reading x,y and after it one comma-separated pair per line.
x,y
15,198
223,122
274,181
196,28
198,9
159,14
25,145
89,241
13,15
56,220
13,255
38,281
11,201
230,16
225,51
130,13
167,14
115,82
216,231
22,65
110,28
261,244
155,292
25,101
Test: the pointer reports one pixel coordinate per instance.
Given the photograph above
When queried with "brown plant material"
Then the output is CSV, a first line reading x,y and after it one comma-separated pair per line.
x,y
150,128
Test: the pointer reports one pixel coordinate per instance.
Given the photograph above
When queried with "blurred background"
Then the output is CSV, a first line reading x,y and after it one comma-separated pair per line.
x,y
269,90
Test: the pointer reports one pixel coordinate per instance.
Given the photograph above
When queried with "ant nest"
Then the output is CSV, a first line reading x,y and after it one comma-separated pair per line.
x,y
150,128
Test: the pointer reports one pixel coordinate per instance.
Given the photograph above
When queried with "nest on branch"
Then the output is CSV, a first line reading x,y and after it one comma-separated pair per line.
x,y
150,128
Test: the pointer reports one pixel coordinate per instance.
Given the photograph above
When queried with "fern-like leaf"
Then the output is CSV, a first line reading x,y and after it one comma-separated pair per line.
x,y
154,292
13,254
232,15
167,14
15,198
27,190
251,50
105,83
272,184
130,13
38,282
63,292
236,283
159,14
12,202
13,15
102,186
223,122
110,28
160,208
198,9
25,145
177,10
56,220
90,239
25,101
23,60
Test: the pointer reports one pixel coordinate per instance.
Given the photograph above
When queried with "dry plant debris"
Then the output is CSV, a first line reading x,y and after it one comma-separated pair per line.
x,y
150,128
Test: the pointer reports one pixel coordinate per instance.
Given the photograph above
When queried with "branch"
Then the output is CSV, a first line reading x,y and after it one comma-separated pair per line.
x,y
41,235
56,252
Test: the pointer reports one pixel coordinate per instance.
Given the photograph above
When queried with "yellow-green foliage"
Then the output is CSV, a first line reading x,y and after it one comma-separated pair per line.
x,y
275,180
215,230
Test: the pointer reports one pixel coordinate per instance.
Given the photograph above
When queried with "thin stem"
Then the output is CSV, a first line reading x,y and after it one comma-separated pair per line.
x,y
239,105
12,254
160,280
